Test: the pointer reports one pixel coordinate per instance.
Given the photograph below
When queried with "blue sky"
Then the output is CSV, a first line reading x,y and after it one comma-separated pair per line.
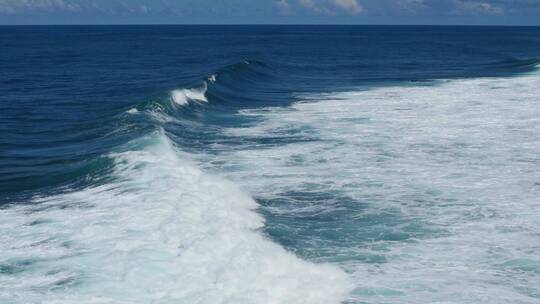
x,y
476,12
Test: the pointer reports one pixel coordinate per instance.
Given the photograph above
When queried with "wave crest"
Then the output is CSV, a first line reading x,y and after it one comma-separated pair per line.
x,y
184,96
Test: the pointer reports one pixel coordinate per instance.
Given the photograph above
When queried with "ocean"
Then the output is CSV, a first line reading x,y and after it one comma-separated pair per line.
x,y
269,164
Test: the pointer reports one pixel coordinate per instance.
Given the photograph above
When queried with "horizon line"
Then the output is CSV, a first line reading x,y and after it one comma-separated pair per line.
x,y
268,24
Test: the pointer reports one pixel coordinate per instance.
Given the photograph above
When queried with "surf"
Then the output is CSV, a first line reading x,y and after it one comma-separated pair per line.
x,y
161,230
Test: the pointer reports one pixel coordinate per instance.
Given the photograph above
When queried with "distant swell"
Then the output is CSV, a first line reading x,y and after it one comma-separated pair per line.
x,y
518,65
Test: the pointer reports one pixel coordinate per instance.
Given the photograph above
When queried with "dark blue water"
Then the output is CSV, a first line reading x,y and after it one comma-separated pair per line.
x,y
390,164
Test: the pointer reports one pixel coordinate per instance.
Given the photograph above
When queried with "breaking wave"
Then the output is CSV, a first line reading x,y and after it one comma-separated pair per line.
x,y
184,96
154,227
163,231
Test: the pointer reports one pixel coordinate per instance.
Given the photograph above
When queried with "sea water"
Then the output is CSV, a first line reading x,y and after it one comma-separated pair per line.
x,y
269,164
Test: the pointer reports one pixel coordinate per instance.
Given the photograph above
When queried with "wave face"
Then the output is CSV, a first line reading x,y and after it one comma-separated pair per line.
x,y
258,165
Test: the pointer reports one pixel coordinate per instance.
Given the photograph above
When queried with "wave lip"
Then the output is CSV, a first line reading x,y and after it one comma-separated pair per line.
x,y
162,231
184,96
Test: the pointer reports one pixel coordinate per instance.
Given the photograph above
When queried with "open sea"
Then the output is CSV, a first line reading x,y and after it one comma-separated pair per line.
x,y
269,165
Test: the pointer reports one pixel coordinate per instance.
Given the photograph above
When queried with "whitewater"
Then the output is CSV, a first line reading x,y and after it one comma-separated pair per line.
x,y
443,176
162,231
436,185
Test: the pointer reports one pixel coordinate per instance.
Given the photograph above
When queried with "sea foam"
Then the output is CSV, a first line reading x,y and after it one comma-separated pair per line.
x,y
162,232
426,193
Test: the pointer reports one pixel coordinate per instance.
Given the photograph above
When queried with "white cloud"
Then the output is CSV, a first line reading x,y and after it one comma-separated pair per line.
x,y
329,6
144,9
15,6
282,5
478,7
412,6
351,6
309,3
317,6
11,7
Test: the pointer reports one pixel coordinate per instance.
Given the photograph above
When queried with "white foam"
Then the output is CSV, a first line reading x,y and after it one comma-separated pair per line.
x,y
460,156
161,232
184,96
132,111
